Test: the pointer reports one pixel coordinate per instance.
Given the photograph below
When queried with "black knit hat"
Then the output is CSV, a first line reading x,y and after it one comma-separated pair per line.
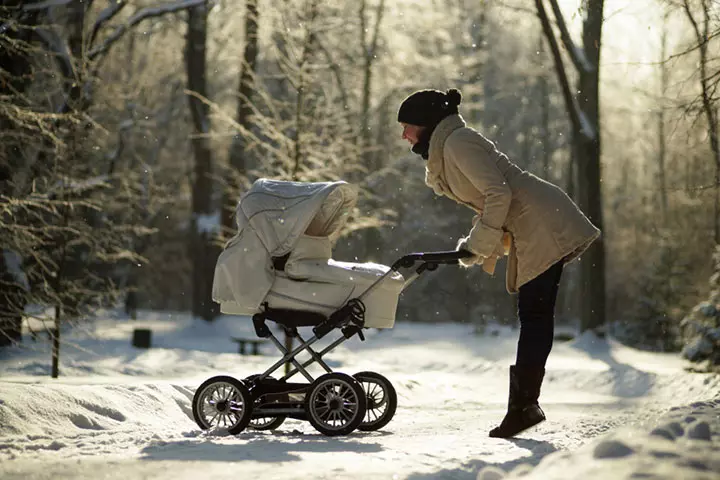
x,y
425,108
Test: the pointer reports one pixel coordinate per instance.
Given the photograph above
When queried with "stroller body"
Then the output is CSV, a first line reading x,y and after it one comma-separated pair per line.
x,y
281,256
279,268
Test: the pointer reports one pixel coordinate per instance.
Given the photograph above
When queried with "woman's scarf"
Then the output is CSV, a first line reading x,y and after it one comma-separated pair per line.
x,y
434,168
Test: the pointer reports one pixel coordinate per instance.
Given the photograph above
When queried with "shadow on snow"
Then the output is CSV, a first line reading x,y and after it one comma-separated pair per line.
x,y
260,448
538,450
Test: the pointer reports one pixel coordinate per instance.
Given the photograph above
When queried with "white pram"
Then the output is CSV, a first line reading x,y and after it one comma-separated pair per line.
x,y
281,256
278,267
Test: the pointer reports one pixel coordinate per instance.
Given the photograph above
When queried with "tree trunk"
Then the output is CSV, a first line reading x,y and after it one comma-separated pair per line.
x,y
239,160
369,50
479,35
662,144
589,171
373,239
76,23
55,363
308,50
584,114
544,92
202,250
702,34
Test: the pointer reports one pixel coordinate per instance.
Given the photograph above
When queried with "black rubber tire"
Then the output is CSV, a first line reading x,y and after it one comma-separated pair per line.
x,y
340,393
385,399
234,393
271,423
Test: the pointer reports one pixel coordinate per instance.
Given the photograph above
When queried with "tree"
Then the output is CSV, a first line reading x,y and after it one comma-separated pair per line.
x,y
662,120
702,32
239,153
15,68
701,326
583,110
369,49
203,224
66,225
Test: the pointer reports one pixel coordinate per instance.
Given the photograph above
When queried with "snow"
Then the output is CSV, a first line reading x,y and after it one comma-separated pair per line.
x,y
121,412
207,223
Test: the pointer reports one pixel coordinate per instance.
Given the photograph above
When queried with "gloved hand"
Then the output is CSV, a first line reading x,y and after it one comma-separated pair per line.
x,y
468,261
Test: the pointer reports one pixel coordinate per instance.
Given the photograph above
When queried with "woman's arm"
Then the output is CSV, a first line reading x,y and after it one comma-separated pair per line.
x,y
478,166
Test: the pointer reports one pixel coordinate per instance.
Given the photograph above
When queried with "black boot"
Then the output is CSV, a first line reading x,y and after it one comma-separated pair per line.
x,y
523,409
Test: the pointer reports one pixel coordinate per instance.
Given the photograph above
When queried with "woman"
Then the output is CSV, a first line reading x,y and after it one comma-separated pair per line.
x,y
541,227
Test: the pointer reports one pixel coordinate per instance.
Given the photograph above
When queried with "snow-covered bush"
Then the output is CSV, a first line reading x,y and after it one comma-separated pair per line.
x,y
658,291
701,327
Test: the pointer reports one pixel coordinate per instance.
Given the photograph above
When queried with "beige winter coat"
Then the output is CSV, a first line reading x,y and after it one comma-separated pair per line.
x,y
545,225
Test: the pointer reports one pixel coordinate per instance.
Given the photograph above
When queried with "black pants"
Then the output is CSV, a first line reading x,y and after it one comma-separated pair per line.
x,y
536,310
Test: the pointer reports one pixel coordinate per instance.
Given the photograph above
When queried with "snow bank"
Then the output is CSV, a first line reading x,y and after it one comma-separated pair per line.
x,y
683,444
88,417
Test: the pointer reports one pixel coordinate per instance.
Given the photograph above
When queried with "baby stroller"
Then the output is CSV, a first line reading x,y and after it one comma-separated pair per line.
x,y
278,268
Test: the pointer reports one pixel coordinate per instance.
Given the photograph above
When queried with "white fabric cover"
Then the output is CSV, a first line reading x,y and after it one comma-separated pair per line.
x,y
315,283
242,279
279,212
270,217
308,247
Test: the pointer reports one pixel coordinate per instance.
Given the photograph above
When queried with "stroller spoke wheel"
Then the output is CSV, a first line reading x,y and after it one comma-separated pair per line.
x,y
381,400
335,404
222,402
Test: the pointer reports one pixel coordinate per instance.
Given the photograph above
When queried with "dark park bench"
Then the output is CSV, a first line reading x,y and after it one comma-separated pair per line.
x,y
255,342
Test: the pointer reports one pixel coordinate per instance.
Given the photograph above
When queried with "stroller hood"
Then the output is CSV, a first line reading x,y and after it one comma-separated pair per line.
x,y
280,211
271,217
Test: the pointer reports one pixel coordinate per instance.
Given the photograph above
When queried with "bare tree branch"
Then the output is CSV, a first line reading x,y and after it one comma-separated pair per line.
x,y
139,16
105,16
337,73
577,54
709,108
570,102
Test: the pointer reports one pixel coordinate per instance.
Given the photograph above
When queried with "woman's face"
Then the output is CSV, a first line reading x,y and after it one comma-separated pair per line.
x,y
411,133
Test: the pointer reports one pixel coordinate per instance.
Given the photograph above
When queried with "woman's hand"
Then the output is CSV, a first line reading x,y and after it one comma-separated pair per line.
x,y
468,261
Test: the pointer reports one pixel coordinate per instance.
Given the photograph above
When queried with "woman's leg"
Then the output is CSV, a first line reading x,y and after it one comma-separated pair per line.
x,y
536,310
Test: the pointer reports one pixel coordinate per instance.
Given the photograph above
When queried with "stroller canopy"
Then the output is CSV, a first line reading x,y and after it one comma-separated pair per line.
x,y
271,217
280,211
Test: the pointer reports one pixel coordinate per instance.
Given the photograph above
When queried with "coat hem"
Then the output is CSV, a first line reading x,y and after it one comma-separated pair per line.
x,y
567,257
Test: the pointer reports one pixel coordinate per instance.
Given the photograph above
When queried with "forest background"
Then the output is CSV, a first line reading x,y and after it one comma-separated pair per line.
x,y
130,129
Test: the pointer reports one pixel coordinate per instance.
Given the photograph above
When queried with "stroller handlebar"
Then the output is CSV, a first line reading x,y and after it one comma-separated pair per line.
x,y
451,257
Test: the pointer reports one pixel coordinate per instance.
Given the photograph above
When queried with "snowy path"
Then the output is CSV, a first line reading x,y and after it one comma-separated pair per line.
x,y
451,384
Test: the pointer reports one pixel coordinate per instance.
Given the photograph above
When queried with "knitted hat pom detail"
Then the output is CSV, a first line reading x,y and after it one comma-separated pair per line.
x,y
454,97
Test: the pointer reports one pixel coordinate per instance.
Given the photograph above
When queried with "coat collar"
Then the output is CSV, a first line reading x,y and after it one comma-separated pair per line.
x,y
434,175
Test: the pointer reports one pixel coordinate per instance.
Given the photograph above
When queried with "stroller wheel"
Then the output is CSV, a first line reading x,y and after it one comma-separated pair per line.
x,y
266,423
381,400
222,402
335,404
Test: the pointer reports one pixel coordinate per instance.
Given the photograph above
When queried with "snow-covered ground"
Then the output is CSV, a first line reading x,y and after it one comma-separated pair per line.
x,y
121,412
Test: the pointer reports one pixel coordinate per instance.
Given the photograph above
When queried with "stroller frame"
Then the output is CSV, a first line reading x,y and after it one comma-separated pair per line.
x,y
334,403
